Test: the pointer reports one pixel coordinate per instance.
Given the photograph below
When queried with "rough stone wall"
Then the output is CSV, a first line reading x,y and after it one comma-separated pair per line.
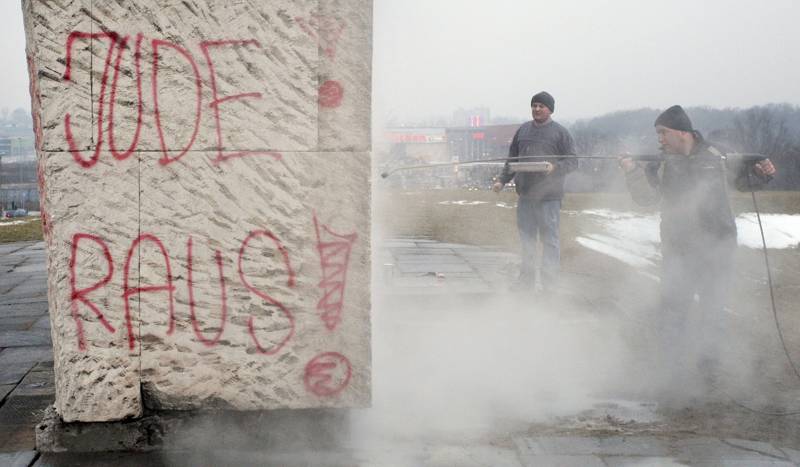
x,y
204,174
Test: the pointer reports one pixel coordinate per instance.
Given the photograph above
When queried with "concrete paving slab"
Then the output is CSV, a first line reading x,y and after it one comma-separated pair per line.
x,y
397,244
605,446
757,446
433,266
30,280
9,282
17,438
5,389
432,285
727,462
443,259
291,459
17,459
9,309
31,354
21,294
627,461
19,416
8,248
17,323
562,461
32,267
487,254
421,251
12,373
704,450
23,410
43,322
471,456
34,337
454,246
37,383
135,459
47,365
792,454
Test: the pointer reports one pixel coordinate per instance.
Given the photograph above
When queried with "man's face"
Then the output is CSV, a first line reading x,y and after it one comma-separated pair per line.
x,y
540,112
671,141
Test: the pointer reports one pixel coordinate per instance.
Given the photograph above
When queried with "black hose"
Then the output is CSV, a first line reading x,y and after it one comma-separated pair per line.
x,y
771,288
774,317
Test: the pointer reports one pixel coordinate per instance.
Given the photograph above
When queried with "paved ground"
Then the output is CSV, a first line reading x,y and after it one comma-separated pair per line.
x,y
609,434
26,356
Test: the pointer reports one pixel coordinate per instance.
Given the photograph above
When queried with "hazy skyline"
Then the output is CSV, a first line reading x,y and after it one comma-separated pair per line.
x,y
432,57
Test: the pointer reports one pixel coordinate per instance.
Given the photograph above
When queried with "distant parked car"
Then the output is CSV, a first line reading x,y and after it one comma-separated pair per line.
x,y
16,213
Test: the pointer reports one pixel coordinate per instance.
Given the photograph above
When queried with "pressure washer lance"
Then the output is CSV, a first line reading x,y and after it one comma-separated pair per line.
x,y
530,164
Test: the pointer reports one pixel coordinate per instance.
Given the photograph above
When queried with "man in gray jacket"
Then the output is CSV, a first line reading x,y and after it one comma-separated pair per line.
x,y
698,230
540,193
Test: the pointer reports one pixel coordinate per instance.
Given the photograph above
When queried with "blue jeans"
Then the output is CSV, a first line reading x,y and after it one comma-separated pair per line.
x,y
538,219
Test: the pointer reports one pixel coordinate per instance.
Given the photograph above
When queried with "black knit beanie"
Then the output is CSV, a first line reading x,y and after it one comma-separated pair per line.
x,y
675,117
546,99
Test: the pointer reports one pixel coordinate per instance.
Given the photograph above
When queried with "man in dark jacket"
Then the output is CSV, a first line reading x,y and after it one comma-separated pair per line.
x,y
540,193
698,230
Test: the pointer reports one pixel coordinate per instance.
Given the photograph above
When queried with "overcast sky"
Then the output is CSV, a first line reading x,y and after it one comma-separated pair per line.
x,y
594,56
13,69
433,56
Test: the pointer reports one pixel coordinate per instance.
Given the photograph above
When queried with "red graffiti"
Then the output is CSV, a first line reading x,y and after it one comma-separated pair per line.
x,y
334,257
330,94
38,134
113,99
36,103
326,30
127,290
47,226
327,374
73,146
290,283
195,325
165,159
216,101
81,295
110,84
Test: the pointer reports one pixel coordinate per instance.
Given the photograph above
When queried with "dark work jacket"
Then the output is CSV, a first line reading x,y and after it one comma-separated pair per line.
x,y
531,140
693,191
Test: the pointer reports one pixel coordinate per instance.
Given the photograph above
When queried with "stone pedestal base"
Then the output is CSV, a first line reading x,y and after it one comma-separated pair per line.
x,y
198,431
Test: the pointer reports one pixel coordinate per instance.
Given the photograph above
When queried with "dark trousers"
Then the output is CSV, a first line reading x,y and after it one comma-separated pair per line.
x,y
539,219
697,326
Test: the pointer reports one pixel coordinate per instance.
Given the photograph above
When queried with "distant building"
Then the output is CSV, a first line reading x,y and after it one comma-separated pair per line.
x,y
475,117
468,144
420,146
417,146
18,186
5,147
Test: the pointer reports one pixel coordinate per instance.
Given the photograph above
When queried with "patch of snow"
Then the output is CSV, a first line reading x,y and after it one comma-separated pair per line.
x,y
780,230
5,224
625,252
463,202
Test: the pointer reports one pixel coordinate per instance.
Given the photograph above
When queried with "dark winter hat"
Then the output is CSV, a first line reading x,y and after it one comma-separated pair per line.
x,y
675,117
546,99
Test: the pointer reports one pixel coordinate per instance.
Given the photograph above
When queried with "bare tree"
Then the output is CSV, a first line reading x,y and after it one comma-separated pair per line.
x,y
764,130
